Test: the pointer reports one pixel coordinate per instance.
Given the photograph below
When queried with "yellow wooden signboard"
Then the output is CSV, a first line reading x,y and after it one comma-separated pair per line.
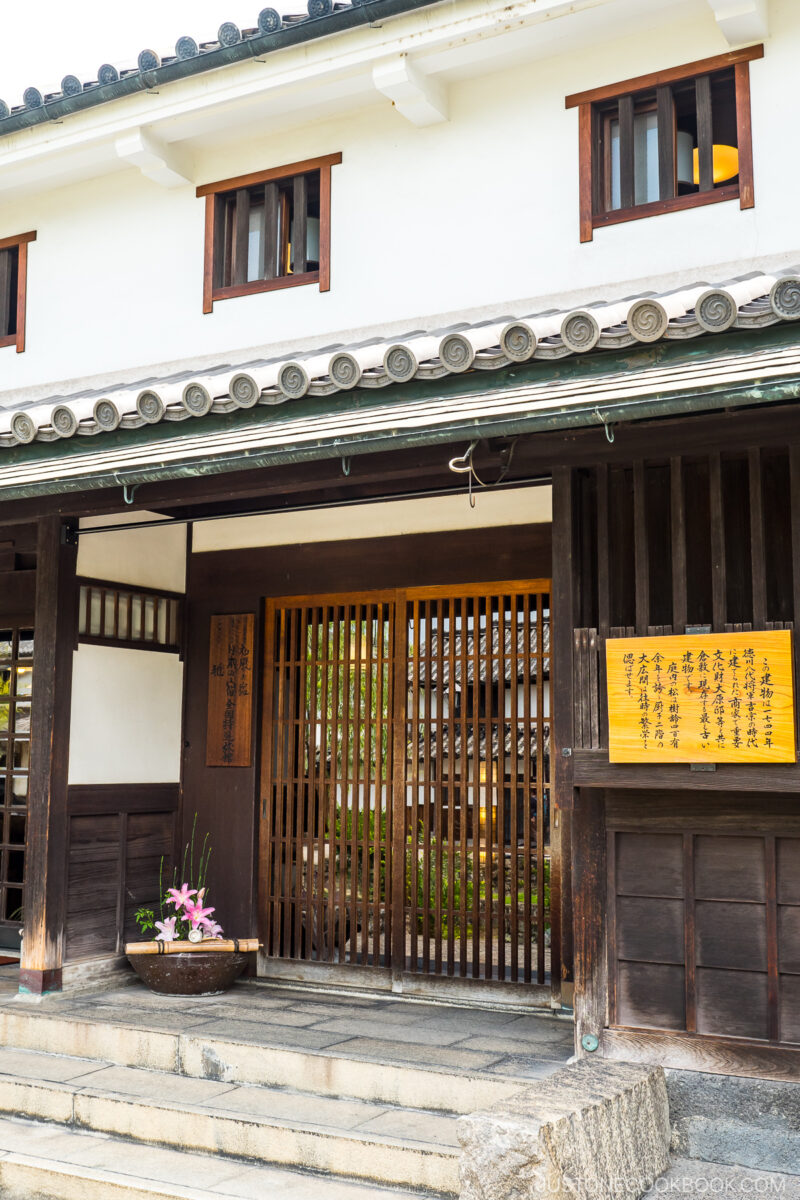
x,y
711,697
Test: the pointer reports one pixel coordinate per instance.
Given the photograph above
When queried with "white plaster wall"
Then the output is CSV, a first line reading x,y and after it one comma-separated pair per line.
x,y
154,557
475,214
126,716
520,506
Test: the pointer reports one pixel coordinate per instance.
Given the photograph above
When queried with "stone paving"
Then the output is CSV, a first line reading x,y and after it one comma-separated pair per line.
x,y
494,1042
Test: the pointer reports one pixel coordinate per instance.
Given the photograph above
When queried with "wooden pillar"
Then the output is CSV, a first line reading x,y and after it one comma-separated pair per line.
x,y
45,864
589,916
563,618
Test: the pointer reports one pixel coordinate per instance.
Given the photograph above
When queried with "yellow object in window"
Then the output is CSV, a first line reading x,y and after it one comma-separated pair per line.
x,y
726,163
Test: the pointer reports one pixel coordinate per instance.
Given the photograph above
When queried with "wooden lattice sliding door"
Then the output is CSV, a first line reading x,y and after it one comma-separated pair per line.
x,y
16,695
477,789
405,781
326,780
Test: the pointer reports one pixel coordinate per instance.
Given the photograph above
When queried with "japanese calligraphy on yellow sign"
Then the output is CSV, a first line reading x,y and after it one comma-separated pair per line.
x,y
711,697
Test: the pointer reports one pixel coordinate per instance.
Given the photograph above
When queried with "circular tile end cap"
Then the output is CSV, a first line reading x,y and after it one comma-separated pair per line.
x,y
244,390
580,331
196,399
293,380
150,406
400,363
518,341
457,352
23,427
715,310
647,320
785,297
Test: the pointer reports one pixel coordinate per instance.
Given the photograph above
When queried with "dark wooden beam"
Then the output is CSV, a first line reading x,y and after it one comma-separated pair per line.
x,y
678,540
377,474
45,861
299,223
626,153
241,237
564,616
589,880
665,109
591,768
705,133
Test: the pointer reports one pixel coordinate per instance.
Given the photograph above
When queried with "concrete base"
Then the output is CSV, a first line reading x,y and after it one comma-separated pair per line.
x,y
594,1129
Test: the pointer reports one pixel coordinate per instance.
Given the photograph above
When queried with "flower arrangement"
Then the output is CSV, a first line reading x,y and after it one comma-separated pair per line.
x,y
191,917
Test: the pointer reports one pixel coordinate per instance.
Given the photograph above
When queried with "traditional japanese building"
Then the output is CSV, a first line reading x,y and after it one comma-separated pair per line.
x,y
362,375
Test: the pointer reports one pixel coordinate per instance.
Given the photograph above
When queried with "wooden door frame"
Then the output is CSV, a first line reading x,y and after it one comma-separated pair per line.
x,y
395,976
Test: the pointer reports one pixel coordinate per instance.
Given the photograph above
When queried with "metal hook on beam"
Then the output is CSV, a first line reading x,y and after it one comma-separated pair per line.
x,y
345,466
607,426
128,492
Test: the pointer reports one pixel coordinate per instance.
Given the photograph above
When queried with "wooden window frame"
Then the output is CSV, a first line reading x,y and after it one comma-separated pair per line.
x,y
591,176
210,191
21,241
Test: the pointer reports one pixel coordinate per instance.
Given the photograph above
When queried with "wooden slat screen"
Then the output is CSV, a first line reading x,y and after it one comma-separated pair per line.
x,y
16,697
113,614
405,781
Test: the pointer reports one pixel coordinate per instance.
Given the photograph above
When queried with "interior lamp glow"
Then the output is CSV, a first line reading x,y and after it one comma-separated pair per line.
x,y
726,163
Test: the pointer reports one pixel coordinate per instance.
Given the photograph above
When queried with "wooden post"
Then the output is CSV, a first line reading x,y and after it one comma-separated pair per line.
x,y
563,617
589,915
55,632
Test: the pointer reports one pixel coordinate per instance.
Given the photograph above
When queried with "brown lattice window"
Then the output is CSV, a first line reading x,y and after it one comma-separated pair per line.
x,y
16,695
269,230
13,287
675,139
110,614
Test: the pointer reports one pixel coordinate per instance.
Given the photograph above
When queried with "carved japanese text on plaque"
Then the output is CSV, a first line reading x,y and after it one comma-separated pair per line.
x,y
716,697
230,691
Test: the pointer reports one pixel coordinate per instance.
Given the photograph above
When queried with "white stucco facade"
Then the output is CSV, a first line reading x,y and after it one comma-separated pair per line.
x,y
474,214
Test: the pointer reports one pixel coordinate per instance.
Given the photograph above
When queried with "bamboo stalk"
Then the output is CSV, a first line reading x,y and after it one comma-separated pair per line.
x,y
216,945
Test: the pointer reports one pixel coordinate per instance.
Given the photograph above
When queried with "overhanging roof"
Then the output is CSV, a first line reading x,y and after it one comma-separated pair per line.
x,y
666,379
272,33
749,302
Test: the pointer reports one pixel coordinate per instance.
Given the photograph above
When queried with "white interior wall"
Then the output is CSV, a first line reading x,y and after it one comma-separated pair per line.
x,y
153,557
127,704
517,506
126,716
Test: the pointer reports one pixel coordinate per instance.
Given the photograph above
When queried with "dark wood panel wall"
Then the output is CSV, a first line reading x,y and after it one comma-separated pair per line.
x,y
685,920
17,572
117,837
224,798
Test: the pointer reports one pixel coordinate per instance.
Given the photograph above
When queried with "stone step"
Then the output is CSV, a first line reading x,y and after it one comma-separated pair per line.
x,y
689,1177
44,1160
751,1123
348,1137
213,1053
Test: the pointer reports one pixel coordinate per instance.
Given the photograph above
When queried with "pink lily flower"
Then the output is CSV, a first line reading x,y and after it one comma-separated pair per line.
x,y
212,929
196,914
180,897
166,930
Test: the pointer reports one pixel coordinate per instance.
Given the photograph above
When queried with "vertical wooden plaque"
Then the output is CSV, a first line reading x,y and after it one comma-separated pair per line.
x,y
229,738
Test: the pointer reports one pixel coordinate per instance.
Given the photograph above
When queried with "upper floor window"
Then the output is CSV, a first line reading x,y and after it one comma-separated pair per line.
x,y
13,285
671,140
269,230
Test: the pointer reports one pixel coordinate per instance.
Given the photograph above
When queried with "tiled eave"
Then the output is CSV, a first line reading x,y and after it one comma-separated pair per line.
x,y
599,390
272,33
749,302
